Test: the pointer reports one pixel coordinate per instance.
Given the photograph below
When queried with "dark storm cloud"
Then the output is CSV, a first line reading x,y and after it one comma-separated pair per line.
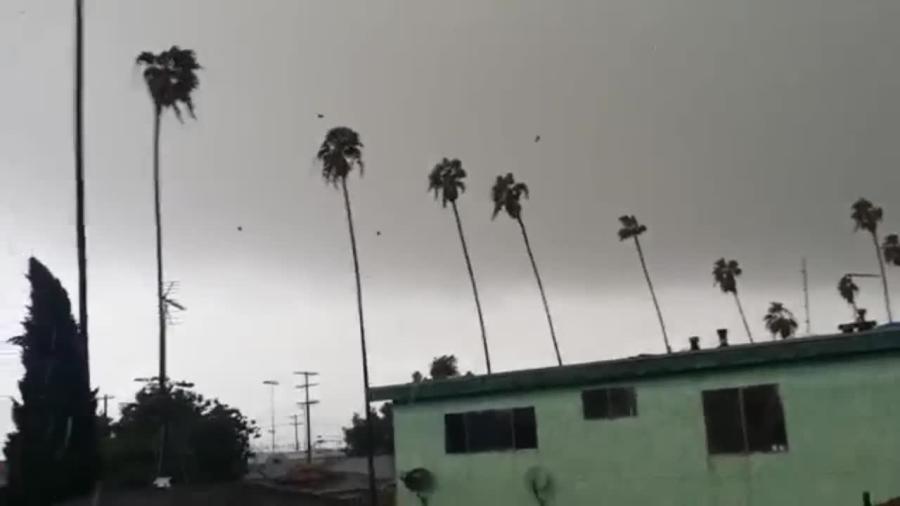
x,y
731,128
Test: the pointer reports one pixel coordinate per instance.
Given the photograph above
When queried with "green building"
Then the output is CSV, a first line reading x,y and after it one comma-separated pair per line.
x,y
805,421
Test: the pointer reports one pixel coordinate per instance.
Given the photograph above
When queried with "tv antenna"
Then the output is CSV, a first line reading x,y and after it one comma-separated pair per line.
x,y
169,303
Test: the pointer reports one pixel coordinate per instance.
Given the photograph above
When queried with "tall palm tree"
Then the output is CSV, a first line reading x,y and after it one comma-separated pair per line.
x,y
866,216
631,229
891,249
79,178
507,195
848,290
171,78
446,179
339,153
725,274
780,321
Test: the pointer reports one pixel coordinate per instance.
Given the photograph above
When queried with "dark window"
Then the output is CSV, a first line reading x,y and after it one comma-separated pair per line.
x,y
724,431
743,420
454,433
618,402
525,427
492,430
489,430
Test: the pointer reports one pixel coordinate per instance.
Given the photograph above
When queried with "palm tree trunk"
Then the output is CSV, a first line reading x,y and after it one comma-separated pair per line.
x,y
662,324
370,432
743,316
161,308
541,288
160,301
884,282
462,239
79,183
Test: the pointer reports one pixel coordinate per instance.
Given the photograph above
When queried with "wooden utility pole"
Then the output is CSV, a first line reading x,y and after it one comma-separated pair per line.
x,y
106,398
296,424
306,405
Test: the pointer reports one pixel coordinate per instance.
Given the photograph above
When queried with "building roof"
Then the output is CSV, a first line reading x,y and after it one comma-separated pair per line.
x,y
884,339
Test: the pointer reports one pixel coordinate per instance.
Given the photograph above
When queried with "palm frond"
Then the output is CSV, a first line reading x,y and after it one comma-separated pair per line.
x,y
891,249
171,78
866,215
339,153
446,179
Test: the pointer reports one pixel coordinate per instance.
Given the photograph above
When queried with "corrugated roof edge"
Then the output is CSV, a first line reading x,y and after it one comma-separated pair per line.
x,y
830,347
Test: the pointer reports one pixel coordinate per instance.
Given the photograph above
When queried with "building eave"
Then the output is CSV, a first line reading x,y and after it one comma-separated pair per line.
x,y
885,339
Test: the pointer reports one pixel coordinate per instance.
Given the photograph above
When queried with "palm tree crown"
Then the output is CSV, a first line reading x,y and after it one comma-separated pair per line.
x,y
780,321
891,249
171,77
866,215
848,289
630,227
725,274
339,153
507,194
446,178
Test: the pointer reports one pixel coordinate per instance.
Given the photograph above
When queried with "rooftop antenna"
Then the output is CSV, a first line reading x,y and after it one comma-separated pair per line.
x,y
806,296
169,303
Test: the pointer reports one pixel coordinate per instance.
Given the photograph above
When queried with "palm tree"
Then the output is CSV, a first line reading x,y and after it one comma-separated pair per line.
x,y
725,274
79,178
866,216
848,290
339,153
631,229
171,78
446,179
891,249
780,321
507,195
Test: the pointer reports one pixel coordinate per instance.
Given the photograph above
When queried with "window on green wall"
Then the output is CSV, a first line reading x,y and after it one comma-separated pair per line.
x,y
607,403
490,430
744,420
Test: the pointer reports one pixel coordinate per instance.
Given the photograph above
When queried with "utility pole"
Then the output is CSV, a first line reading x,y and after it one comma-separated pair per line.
x,y
306,405
296,424
106,398
272,384
806,296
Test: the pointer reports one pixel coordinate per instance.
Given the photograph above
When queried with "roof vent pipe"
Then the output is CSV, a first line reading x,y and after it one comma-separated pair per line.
x,y
695,343
723,337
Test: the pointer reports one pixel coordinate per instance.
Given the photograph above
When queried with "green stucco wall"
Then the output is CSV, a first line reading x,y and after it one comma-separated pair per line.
x,y
843,425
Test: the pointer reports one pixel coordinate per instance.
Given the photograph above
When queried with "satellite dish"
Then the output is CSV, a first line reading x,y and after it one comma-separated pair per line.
x,y
540,484
419,481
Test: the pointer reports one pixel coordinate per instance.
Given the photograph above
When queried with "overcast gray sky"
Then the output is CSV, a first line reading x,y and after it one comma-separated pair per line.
x,y
737,128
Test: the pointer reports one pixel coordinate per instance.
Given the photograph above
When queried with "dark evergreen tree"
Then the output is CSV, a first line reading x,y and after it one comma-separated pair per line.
x,y
52,455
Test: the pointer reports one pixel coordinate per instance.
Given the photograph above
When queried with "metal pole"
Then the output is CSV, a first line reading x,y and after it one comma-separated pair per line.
x,y
272,384
296,433
806,296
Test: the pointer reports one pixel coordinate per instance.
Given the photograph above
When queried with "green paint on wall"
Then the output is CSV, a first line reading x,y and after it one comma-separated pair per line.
x,y
843,425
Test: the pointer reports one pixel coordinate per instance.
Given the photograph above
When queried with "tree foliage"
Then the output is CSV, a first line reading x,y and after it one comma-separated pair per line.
x,y
446,180
357,440
891,249
631,227
725,274
339,153
171,78
53,454
208,441
780,321
507,195
444,367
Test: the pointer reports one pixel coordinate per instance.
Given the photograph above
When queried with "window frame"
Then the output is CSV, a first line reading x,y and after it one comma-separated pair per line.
x,y
745,436
463,421
606,411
